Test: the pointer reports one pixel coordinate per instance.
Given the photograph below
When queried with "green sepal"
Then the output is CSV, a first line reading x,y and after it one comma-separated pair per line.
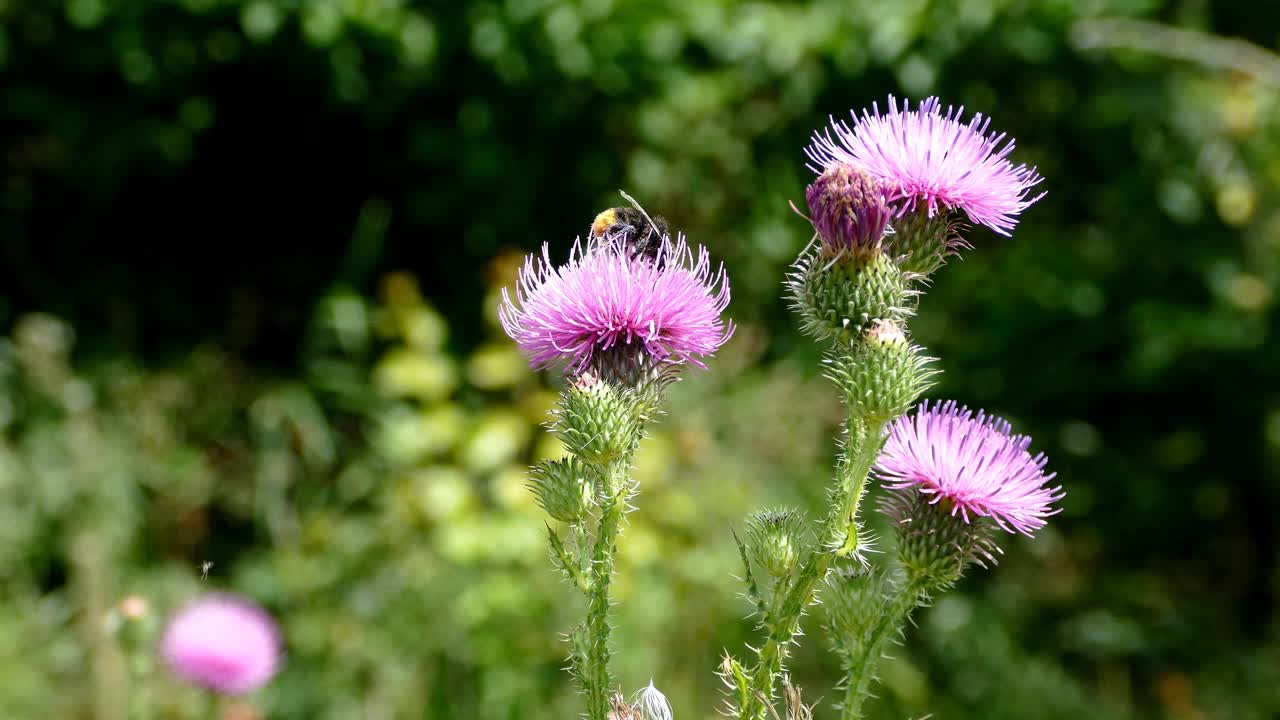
x,y
854,600
753,590
734,676
840,298
935,546
922,244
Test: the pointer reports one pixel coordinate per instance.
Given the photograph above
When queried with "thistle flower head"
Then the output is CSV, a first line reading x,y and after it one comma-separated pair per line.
x,y
970,465
850,209
933,159
667,304
223,643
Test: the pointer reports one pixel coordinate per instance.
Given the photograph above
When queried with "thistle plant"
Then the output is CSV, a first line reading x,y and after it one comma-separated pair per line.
x,y
886,209
629,309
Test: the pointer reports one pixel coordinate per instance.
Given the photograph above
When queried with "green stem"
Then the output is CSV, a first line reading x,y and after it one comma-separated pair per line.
x,y
861,665
838,538
596,677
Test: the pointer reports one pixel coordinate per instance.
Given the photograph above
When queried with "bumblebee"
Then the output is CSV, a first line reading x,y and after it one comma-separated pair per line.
x,y
642,233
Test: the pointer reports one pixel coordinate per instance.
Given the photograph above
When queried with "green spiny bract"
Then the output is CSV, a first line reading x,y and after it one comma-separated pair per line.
x,y
840,298
562,488
855,601
599,421
921,243
777,539
935,547
882,375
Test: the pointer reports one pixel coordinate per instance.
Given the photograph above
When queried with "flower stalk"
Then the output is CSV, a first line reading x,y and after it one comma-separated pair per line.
x,y
839,537
861,655
595,675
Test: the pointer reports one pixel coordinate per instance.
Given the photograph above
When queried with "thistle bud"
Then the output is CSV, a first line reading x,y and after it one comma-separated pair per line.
x,y
841,299
561,488
854,602
922,243
884,373
776,539
850,210
598,421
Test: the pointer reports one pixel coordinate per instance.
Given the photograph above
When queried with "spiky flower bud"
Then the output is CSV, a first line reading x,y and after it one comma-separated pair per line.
x,y
855,602
850,210
922,243
853,599
776,539
841,299
597,420
883,374
561,488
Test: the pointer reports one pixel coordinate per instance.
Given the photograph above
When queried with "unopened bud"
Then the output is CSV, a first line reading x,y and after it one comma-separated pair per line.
x,y
776,539
561,488
854,598
598,421
886,334
883,375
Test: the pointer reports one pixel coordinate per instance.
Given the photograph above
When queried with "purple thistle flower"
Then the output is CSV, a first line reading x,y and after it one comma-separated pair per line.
x,y
607,296
972,463
935,159
850,208
224,643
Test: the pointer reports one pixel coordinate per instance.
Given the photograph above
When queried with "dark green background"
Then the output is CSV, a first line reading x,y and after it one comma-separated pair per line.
x,y
199,203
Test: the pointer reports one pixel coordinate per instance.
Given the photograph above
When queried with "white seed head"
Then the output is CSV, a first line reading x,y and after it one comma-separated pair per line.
x,y
652,704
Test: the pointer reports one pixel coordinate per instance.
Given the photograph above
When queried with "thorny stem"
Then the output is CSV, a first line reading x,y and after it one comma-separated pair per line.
x,y
862,663
838,538
595,675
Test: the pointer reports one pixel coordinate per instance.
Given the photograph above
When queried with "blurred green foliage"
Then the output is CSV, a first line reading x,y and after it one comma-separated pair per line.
x,y
210,358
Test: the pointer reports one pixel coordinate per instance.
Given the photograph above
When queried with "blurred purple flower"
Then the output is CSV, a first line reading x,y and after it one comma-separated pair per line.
x,y
850,208
935,159
224,643
970,464
607,295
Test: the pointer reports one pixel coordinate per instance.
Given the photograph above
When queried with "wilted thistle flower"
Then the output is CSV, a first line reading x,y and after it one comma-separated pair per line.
x,y
668,304
850,209
935,159
969,466
224,643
